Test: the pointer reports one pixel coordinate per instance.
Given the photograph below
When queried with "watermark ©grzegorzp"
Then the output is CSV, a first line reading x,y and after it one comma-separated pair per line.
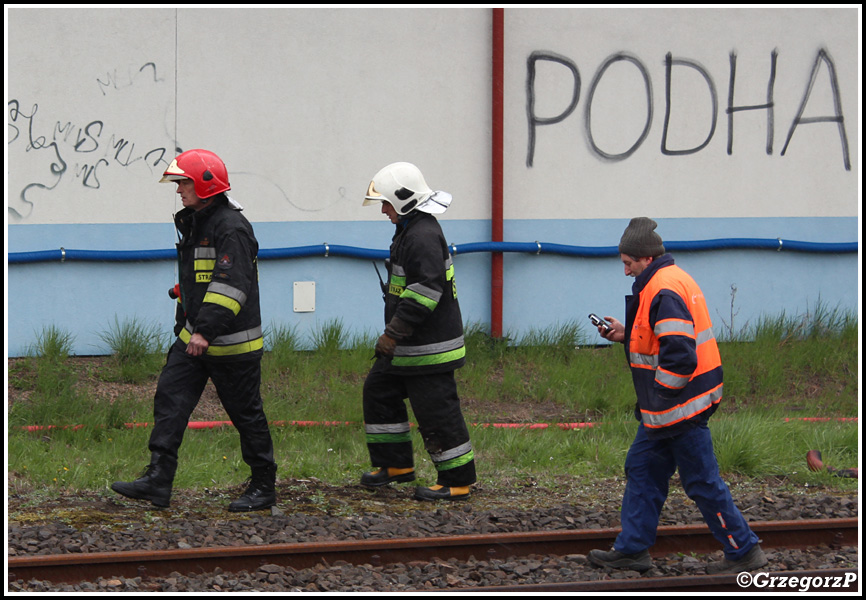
x,y
800,583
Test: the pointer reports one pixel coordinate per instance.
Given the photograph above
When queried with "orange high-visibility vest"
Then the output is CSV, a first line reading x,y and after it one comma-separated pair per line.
x,y
692,397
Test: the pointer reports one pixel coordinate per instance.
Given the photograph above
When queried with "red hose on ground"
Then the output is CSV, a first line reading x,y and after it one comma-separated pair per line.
x,y
566,426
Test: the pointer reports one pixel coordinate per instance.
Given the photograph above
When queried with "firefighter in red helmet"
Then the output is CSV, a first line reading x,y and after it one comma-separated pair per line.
x,y
219,334
205,169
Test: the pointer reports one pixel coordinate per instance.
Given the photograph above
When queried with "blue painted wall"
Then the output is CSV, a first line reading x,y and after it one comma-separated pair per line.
x,y
540,291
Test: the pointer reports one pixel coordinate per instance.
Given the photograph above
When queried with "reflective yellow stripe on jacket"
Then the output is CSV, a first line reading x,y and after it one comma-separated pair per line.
x,y
231,344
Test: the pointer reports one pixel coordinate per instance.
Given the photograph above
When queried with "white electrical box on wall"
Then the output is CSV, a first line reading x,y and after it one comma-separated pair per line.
x,y
305,296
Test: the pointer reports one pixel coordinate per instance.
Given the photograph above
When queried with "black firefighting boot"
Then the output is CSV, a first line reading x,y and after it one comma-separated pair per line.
x,y
438,492
384,476
261,493
154,485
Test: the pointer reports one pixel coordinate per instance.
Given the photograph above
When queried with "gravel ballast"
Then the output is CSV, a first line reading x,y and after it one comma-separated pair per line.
x,y
311,511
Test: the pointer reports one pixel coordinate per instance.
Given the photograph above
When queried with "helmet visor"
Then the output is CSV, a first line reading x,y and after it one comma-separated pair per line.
x,y
173,173
372,196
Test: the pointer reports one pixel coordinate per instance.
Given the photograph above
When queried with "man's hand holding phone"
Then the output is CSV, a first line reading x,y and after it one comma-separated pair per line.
x,y
608,328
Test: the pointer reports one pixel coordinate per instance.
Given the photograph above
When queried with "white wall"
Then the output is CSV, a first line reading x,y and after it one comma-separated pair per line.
x,y
303,106
620,55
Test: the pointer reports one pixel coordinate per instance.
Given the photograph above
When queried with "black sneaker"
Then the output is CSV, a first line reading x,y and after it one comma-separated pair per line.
x,y
640,562
751,560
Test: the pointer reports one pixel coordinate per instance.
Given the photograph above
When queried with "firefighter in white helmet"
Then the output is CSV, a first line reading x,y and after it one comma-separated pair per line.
x,y
421,347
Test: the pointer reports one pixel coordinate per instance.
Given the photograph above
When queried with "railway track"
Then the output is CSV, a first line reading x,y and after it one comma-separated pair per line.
x,y
74,568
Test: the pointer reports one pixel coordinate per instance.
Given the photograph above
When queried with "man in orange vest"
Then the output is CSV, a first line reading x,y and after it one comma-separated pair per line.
x,y
677,374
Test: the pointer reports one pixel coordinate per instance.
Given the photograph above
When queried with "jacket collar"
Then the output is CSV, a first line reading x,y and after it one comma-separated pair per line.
x,y
187,218
665,260
409,220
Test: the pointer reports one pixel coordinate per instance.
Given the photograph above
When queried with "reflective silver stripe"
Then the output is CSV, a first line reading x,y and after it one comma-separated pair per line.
x,y
452,453
650,360
237,338
427,349
683,411
671,380
232,338
401,272
705,336
228,291
423,290
204,253
674,326
386,427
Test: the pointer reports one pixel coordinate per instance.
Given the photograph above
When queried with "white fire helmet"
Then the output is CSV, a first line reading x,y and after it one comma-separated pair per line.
x,y
402,185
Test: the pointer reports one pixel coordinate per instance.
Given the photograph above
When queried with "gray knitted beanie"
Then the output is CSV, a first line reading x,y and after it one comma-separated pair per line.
x,y
640,239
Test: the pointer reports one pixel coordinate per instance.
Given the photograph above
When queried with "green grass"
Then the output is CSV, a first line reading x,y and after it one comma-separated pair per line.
x,y
137,350
787,369
804,362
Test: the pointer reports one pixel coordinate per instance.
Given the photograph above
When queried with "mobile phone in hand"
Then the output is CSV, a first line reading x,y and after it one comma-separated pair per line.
x,y
599,322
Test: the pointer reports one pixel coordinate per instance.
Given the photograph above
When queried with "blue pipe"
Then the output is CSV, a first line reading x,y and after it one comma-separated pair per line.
x,y
325,250
64,255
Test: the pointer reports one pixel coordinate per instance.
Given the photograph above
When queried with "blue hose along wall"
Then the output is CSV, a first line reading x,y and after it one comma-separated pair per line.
x,y
326,250
85,292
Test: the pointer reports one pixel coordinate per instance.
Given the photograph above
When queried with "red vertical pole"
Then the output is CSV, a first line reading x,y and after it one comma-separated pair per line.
x,y
496,217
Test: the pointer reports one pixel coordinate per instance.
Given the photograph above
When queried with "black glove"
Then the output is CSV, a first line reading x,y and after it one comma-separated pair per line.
x,y
385,345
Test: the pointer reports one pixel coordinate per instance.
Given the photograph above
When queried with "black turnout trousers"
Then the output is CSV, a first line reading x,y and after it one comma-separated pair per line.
x,y
180,387
436,407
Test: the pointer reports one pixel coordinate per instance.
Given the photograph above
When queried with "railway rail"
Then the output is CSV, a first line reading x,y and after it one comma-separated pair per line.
x,y
74,568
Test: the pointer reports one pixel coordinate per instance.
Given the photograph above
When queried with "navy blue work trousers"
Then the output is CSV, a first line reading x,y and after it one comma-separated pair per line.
x,y
649,466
